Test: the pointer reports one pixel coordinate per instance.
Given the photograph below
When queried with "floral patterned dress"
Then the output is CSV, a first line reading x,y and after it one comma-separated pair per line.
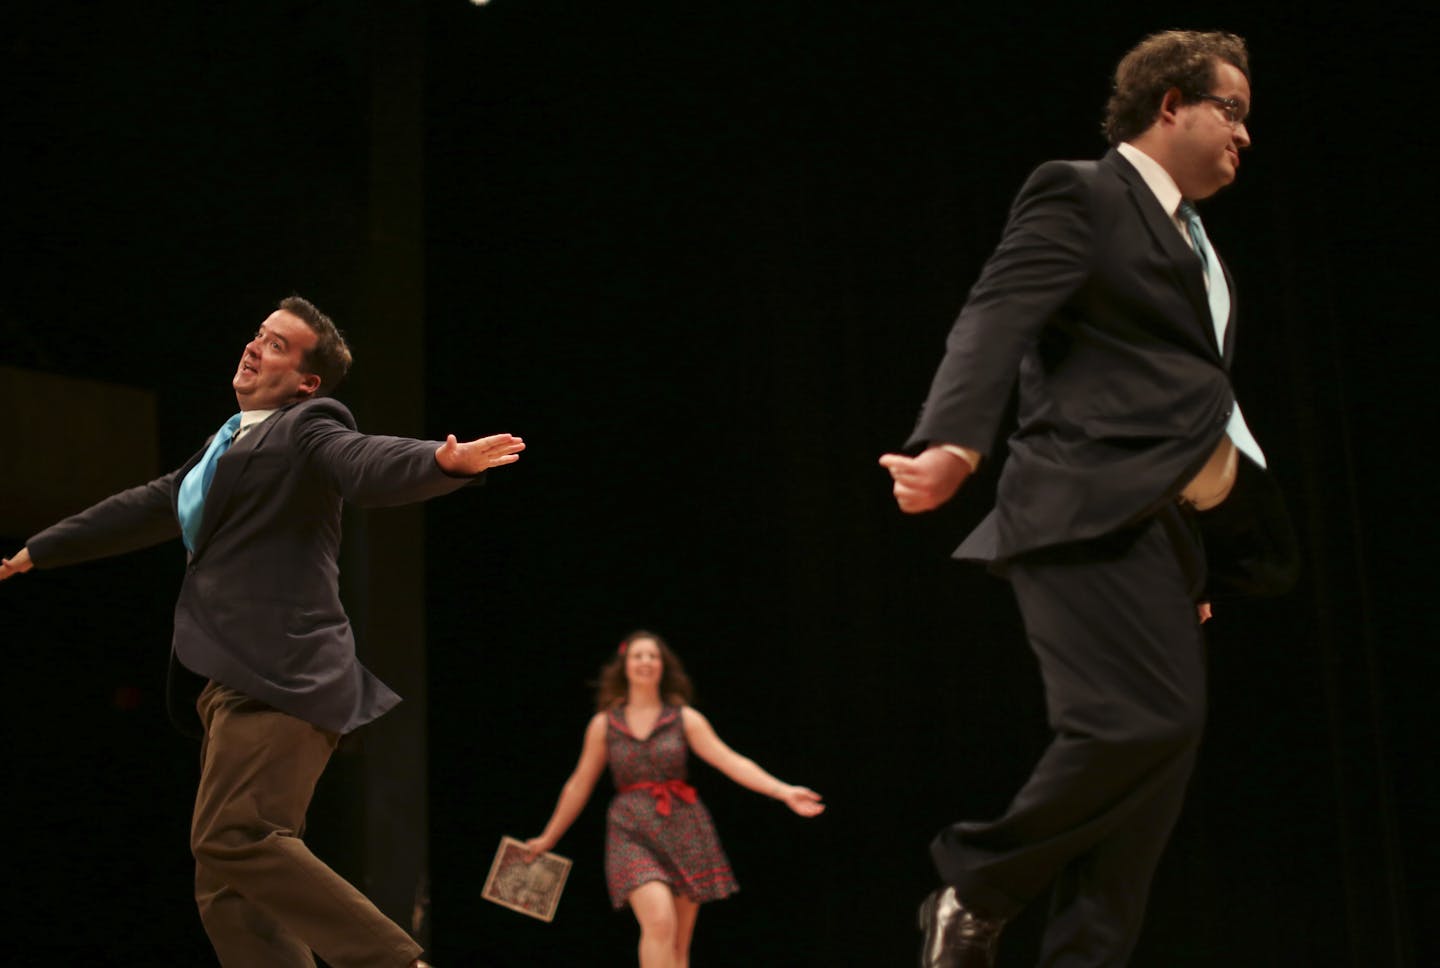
x,y
656,828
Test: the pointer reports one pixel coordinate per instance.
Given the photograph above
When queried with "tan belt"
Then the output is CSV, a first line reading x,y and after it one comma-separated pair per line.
x,y
1212,485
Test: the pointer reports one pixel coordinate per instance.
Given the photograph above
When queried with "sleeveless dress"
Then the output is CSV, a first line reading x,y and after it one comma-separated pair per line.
x,y
656,828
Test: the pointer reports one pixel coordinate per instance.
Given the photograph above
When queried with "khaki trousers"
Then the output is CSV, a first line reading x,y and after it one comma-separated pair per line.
x,y
265,900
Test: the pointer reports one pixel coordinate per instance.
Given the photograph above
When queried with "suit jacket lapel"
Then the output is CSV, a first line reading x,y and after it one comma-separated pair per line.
x,y
1189,271
228,470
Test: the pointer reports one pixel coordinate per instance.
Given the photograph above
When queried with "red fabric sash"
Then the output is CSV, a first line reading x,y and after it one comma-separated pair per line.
x,y
664,792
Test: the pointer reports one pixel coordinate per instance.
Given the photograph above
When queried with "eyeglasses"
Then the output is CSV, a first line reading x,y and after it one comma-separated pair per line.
x,y
1230,105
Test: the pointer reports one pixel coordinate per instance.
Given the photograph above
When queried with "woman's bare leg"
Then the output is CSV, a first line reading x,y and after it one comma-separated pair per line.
x,y
654,907
686,911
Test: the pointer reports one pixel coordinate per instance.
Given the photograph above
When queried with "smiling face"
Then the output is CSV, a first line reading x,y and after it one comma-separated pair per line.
x,y
1205,155
643,665
271,372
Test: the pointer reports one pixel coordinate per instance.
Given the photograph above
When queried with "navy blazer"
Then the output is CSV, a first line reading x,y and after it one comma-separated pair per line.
x,y
259,610
1097,306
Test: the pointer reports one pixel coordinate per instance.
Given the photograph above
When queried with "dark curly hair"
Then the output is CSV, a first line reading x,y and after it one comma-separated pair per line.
x,y
1181,59
330,358
612,687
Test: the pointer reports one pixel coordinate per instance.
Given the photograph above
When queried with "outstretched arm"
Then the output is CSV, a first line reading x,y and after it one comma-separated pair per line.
x,y
17,565
376,470
576,792
743,770
133,519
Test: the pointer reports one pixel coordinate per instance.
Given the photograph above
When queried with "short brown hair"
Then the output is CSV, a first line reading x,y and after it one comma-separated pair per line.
x,y
612,686
1181,59
330,357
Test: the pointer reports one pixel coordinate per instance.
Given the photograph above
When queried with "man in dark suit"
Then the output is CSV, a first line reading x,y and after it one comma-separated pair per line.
x,y
259,618
1133,492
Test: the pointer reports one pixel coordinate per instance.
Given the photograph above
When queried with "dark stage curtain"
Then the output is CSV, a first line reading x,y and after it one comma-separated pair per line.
x,y
703,260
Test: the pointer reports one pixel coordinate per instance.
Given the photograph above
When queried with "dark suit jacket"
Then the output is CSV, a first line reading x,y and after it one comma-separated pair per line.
x,y
259,610
1094,299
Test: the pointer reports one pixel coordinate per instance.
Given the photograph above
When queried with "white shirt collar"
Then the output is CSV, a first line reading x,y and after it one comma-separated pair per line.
x,y
249,418
1155,175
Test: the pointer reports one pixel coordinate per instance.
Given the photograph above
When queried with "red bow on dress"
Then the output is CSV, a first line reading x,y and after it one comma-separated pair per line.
x,y
664,792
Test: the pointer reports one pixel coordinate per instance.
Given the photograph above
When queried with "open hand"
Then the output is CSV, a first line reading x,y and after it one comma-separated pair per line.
x,y
477,456
20,564
802,800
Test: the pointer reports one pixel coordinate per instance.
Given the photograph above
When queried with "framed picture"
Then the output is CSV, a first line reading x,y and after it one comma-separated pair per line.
x,y
531,888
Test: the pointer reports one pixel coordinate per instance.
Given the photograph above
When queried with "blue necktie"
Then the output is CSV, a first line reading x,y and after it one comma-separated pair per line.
x,y
1219,291
190,505
1219,294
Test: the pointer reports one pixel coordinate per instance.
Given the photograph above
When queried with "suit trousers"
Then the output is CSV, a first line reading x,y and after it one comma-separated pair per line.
x,y
1113,624
265,900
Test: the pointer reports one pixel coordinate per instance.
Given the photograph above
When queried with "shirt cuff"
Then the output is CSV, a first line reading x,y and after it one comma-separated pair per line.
x,y
971,457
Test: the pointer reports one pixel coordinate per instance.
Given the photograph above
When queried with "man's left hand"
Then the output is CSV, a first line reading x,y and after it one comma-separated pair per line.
x,y
17,565
478,456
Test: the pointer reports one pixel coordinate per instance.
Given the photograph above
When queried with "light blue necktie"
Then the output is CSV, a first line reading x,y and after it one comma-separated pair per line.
x,y
1219,294
1219,291
190,505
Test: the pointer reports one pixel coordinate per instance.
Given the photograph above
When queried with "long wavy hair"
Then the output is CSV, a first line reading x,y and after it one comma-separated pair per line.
x,y
611,687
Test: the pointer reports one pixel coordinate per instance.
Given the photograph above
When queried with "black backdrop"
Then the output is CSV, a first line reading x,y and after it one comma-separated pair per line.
x,y
703,260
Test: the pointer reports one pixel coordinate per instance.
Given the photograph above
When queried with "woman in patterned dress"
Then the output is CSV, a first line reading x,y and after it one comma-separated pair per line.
x,y
662,856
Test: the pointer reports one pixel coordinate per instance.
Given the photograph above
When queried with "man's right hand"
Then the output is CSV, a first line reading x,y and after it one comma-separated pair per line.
x,y
926,481
17,565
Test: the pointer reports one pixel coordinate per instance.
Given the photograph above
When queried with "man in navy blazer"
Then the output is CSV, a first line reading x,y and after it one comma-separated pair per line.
x,y
1133,494
259,618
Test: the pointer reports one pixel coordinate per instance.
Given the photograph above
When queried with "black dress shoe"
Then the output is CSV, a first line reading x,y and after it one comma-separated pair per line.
x,y
955,937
